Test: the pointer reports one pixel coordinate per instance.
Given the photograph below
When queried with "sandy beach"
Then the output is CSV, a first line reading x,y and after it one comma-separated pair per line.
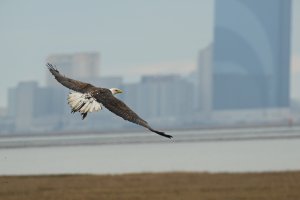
x,y
225,186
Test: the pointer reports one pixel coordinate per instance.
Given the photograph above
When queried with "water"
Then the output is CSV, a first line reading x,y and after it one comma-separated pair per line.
x,y
213,156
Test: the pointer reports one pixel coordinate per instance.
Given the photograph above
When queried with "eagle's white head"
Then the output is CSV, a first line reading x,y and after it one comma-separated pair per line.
x,y
115,90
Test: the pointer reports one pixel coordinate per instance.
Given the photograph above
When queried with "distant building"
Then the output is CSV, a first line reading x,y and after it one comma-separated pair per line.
x,y
131,95
6,126
21,102
49,101
164,97
11,102
33,108
3,112
204,86
78,66
106,82
251,56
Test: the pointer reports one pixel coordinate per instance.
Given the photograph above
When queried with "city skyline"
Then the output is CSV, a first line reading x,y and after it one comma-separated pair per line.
x,y
251,56
43,109
242,75
130,43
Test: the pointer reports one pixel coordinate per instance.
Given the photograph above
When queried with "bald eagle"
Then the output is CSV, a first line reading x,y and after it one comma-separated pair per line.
x,y
85,98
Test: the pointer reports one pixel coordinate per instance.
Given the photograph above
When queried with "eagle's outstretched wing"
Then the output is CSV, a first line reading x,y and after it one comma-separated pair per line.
x,y
119,108
69,83
102,95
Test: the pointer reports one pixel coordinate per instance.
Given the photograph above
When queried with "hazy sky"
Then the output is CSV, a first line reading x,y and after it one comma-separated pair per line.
x,y
134,37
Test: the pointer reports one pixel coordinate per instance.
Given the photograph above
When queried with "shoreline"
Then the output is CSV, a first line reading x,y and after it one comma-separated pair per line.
x,y
209,135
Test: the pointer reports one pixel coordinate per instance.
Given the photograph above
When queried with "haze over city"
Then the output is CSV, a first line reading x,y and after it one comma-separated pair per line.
x,y
200,99
130,39
178,68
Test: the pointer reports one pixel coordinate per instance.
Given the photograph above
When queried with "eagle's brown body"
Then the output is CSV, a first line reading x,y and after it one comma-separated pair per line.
x,y
103,96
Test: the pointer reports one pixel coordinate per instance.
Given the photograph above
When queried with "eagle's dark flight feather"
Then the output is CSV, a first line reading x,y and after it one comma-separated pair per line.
x,y
119,108
72,84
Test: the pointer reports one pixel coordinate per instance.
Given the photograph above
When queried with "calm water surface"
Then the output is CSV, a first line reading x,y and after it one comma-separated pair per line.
x,y
218,156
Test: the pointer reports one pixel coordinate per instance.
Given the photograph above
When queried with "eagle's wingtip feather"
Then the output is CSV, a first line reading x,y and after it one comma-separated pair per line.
x,y
161,133
52,68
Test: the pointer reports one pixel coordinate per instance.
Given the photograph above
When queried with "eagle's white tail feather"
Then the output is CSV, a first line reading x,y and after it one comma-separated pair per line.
x,y
77,104
95,106
75,100
83,103
86,107
91,107
74,97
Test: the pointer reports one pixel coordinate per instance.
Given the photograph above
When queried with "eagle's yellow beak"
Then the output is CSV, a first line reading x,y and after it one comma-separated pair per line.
x,y
119,91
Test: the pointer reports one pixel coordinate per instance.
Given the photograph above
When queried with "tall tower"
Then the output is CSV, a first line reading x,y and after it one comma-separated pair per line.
x,y
251,56
204,74
23,103
81,66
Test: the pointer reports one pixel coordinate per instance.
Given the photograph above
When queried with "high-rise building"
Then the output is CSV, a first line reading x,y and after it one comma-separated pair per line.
x,y
78,66
49,101
131,94
22,98
204,85
32,108
12,102
164,97
251,56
